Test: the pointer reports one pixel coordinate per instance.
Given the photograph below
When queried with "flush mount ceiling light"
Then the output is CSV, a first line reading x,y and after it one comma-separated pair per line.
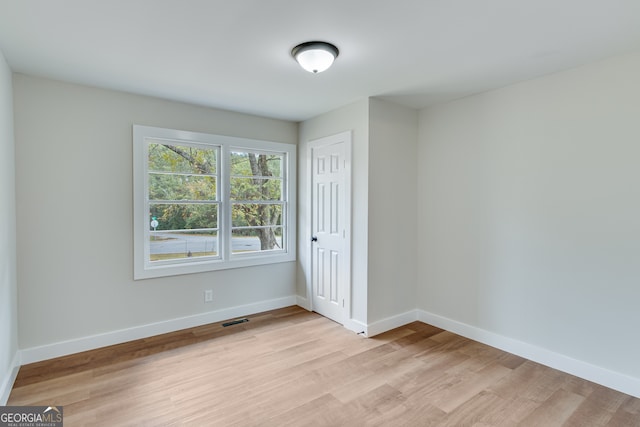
x,y
315,57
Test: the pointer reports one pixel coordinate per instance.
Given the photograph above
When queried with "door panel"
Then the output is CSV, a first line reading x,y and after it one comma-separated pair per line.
x,y
329,274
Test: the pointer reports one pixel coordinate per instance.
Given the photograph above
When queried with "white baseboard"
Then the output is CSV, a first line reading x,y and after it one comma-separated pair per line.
x,y
9,379
50,351
303,302
390,323
356,326
579,368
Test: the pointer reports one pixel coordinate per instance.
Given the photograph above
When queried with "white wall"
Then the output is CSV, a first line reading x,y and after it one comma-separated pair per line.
x,y
74,190
529,213
383,207
8,281
393,138
355,118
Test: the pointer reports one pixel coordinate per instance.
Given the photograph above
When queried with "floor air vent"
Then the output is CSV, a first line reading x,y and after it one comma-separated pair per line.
x,y
234,322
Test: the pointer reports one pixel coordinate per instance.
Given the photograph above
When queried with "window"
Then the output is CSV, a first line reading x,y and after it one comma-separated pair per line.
x,y
256,201
206,202
183,200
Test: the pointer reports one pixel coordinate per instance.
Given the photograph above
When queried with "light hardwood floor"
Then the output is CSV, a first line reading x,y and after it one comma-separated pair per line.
x,y
290,367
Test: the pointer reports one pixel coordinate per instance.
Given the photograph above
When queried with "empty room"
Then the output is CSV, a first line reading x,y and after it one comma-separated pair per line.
x,y
338,213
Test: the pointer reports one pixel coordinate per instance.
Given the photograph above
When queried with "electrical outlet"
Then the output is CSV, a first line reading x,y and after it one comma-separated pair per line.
x,y
208,295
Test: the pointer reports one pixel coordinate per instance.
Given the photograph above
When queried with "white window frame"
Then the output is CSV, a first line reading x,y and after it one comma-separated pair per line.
x,y
144,268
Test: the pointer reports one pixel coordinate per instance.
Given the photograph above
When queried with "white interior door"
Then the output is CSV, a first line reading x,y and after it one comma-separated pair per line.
x,y
331,226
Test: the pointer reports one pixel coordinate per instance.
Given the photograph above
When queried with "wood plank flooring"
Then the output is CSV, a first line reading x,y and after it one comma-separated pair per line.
x,y
290,367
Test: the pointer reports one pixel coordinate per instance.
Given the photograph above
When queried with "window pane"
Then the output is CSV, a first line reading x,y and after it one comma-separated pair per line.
x,y
183,216
252,214
181,187
256,189
167,245
256,239
165,157
252,164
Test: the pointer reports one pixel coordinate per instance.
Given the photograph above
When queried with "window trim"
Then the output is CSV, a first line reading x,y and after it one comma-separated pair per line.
x,y
143,269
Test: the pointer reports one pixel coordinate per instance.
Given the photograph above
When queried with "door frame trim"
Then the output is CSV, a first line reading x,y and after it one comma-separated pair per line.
x,y
346,138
